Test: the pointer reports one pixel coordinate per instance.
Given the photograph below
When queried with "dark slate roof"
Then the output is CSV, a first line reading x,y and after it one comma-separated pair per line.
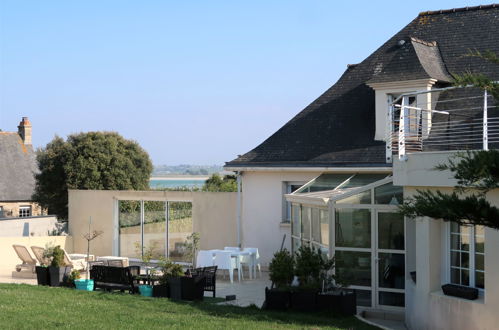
x,y
17,168
416,59
337,129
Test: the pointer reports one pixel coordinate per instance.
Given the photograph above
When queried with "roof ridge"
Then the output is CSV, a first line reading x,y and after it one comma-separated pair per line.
x,y
454,10
423,42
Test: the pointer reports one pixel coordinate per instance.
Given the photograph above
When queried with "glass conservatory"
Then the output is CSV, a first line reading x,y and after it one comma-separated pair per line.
x,y
354,217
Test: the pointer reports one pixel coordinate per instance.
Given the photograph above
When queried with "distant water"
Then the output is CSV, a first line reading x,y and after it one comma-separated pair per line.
x,y
176,183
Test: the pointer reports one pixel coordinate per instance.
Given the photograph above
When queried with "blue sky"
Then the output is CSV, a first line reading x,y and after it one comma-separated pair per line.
x,y
194,82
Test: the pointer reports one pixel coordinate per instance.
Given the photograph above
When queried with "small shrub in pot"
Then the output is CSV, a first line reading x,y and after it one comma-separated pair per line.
x,y
57,268
281,272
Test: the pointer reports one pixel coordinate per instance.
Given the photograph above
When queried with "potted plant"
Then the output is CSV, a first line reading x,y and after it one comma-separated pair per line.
x,y
309,264
281,272
171,279
146,256
335,296
69,281
58,269
88,284
42,271
168,269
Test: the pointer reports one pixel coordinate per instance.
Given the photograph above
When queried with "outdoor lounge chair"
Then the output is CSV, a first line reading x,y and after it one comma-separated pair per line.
x,y
38,252
28,262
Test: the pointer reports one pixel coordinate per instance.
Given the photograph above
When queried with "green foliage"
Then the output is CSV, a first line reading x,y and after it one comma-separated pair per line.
x,y
474,170
192,246
281,268
311,267
217,184
169,269
75,275
478,79
470,209
94,160
57,257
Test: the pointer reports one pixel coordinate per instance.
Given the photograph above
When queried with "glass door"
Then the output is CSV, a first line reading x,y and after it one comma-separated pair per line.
x,y
390,260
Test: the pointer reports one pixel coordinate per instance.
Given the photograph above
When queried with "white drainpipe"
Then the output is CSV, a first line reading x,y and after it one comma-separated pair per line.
x,y
238,209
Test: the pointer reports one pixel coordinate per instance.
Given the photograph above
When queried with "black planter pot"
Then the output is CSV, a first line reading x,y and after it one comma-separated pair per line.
x,y
304,300
348,303
175,286
342,302
329,302
460,291
160,291
42,275
277,299
57,275
192,287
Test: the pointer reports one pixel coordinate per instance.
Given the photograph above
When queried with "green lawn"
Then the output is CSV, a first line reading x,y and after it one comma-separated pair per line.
x,y
35,307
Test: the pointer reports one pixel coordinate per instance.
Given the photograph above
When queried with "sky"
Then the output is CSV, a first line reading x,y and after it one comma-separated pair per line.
x,y
193,82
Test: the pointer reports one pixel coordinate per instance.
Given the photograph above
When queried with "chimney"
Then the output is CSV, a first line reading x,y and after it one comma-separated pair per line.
x,y
24,130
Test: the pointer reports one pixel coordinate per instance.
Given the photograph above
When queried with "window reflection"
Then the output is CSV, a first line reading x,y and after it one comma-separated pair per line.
x,y
353,228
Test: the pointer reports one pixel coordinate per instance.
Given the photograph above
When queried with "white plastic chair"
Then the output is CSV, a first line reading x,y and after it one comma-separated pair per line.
x,y
224,260
254,260
204,259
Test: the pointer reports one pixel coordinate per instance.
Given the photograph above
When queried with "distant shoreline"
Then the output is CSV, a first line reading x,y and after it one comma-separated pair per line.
x,y
174,177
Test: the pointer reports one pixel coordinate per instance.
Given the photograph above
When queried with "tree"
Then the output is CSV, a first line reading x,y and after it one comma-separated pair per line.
x,y
215,183
93,160
476,171
479,79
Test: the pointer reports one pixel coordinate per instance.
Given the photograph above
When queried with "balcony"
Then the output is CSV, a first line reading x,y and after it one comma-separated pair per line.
x,y
447,119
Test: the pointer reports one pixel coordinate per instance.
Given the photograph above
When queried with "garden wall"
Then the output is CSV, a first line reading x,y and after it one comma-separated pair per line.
x,y
213,216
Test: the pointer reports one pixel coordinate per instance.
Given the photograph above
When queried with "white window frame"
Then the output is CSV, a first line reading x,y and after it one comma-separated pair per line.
x,y
22,210
286,206
472,252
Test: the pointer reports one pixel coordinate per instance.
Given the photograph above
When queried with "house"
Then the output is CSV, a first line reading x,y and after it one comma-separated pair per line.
x,y
332,176
17,173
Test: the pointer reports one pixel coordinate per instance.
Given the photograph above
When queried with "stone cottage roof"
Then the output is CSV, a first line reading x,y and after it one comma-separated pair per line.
x,y
17,168
337,129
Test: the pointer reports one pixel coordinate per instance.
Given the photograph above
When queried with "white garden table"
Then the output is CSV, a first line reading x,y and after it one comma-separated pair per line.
x,y
239,254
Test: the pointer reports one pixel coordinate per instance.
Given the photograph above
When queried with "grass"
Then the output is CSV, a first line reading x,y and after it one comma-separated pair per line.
x,y
33,307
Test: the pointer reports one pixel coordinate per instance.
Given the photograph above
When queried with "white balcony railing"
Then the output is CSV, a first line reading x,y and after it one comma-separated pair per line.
x,y
441,119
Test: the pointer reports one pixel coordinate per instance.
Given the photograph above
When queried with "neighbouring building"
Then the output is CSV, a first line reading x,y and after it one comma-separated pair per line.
x,y
332,177
17,173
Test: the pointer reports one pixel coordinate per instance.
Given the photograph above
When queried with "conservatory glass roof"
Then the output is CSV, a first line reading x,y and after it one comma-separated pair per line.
x,y
328,181
355,184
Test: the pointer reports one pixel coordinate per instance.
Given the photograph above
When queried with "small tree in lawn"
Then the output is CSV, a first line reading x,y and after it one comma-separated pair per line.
x,y
192,246
90,236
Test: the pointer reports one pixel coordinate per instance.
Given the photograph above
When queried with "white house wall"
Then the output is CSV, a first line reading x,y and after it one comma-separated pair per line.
x,y
262,211
426,306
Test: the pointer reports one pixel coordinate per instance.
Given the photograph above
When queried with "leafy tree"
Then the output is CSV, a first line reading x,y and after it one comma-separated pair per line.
x,y
93,160
218,184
